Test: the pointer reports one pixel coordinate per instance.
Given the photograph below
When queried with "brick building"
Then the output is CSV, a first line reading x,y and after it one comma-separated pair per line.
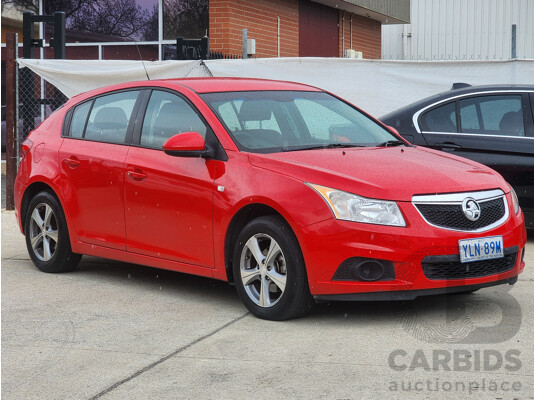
x,y
303,28
104,30
280,28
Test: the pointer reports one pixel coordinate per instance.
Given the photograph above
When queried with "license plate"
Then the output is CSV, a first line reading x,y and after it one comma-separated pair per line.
x,y
485,248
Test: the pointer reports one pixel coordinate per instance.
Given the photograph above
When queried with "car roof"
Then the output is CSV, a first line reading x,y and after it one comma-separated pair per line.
x,y
211,85
463,90
206,85
466,88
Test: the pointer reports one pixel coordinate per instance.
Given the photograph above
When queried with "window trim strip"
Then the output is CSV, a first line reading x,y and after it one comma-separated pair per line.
x,y
416,116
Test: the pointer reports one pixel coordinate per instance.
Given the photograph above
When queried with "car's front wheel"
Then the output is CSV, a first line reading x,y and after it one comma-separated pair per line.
x,y
47,236
269,270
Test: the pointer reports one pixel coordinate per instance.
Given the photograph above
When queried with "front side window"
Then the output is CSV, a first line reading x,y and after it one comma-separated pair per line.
x,y
440,119
110,115
273,121
167,115
492,115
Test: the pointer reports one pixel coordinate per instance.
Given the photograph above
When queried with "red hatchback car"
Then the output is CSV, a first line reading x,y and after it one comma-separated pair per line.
x,y
283,189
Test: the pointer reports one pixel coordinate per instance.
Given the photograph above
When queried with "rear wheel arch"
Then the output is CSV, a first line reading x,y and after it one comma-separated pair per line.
x,y
47,234
31,191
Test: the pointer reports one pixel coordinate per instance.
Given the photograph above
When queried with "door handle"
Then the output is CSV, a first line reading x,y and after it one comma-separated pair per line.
x,y
448,146
72,163
138,175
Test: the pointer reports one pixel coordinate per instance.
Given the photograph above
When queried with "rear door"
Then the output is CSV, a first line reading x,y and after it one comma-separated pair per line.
x,y
168,200
92,158
495,129
483,128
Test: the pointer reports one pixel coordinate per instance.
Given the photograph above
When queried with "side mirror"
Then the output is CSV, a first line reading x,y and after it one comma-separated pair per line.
x,y
187,144
394,130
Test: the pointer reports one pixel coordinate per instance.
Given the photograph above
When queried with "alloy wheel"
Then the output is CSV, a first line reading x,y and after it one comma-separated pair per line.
x,y
43,232
263,270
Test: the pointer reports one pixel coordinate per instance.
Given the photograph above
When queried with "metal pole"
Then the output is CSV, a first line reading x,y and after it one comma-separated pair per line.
x,y
180,48
205,48
160,30
244,44
513,41
11,118
28,33
351,32
278,37
59,35
42,56
343,32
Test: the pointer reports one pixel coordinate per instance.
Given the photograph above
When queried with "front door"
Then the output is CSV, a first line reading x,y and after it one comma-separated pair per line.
x,y
168,200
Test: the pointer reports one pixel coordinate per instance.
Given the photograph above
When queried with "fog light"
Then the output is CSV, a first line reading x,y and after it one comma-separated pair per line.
x,y
365,269
370,271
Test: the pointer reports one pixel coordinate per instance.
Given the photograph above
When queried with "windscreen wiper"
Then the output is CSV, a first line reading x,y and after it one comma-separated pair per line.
x,y
322,146
392,143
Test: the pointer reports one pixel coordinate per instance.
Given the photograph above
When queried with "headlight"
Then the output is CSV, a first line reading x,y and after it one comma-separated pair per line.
x,y
516,206
350,207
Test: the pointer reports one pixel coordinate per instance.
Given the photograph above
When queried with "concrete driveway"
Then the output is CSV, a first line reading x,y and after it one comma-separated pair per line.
x,y
120,331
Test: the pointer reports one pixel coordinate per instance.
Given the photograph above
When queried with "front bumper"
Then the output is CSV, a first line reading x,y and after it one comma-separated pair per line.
x,y
329,243
409,294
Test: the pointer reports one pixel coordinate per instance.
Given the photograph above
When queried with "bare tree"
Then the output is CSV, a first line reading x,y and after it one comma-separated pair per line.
x,y
69,7
188,18
22,5
120,18
151,28
117,18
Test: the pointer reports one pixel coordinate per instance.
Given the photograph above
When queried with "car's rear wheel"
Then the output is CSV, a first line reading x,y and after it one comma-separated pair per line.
x,y
47,236
269,270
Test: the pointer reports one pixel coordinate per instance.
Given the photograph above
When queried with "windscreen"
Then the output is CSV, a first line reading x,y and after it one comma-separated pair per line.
x,y
274,121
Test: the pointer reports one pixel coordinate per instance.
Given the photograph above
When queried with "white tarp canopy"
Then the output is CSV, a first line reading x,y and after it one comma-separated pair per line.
x,y
77,76
374,85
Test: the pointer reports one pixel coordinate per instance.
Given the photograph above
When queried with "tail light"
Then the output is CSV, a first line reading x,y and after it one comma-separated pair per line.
x,y
25,148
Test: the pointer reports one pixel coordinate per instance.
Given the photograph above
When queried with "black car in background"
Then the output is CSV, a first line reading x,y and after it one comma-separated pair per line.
x,y
492,125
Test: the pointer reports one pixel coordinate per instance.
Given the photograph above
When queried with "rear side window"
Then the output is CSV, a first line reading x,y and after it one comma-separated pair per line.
x,y
167,115
493,115
440,119
79,117
109,118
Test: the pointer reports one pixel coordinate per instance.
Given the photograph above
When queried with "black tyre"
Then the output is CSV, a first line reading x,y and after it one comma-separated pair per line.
x,y
47,236
269,270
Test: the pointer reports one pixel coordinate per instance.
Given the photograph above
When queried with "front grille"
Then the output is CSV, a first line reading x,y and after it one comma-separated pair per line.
x,y
451,216
450,267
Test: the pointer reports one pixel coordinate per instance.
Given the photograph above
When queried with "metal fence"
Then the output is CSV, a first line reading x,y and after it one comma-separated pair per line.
x,y
37,99
215,55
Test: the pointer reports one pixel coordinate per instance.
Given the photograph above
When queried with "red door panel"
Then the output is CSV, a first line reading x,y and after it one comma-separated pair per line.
x,y
92,184
168,206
